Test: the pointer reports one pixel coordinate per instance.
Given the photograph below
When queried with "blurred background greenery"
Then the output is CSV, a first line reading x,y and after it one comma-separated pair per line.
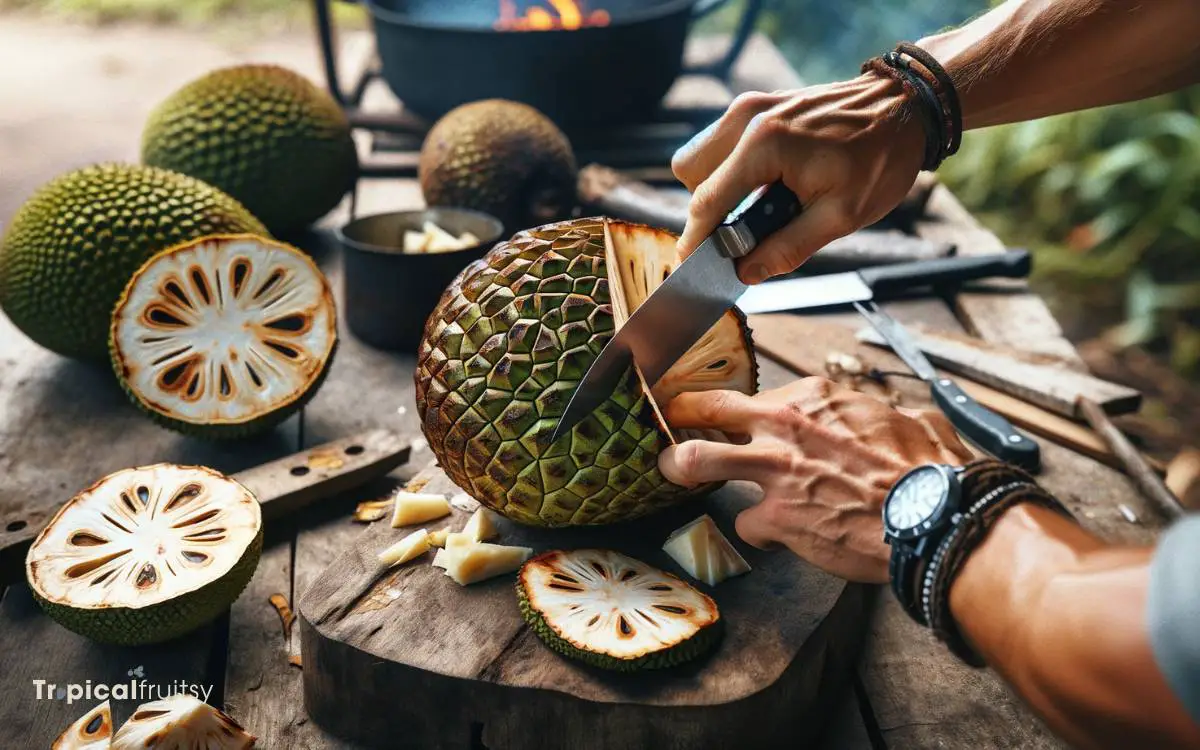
x,y
1109,200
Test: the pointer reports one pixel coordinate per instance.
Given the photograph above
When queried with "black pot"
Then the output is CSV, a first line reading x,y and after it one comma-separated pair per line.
x,y
438,54
387,294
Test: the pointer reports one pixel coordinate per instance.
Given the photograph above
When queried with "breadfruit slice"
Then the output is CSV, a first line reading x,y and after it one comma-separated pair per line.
x,y
146,554
225,336
614,612
181,722
93,731
704,552
509,342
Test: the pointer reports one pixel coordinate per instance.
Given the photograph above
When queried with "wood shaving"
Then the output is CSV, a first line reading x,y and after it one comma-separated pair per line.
x,y
286,616
370,511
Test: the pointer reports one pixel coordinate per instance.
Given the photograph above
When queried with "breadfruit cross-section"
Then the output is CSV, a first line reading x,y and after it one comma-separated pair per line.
x,y
181,722
615,612
146,554
224,336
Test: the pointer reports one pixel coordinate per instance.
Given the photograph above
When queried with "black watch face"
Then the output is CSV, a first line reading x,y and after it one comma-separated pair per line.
x,y
916,501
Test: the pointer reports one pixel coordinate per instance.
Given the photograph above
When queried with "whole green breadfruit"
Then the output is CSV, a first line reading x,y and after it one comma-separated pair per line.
x,y
72,247
263,134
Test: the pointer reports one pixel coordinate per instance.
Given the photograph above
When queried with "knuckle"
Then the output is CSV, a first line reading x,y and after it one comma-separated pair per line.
x,y
764,126
750,102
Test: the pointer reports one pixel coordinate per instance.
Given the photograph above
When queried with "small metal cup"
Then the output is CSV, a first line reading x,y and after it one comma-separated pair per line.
x,y
387,294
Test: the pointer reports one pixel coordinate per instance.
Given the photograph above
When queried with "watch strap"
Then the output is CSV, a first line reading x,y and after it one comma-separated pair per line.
x,y
994,488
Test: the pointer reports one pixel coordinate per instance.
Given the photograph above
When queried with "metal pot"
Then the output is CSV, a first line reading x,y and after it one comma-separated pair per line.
x,y
388,294
438,54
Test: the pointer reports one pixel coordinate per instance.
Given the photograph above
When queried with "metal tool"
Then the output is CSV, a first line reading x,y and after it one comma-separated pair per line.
x,y
689,302
983,427
880,282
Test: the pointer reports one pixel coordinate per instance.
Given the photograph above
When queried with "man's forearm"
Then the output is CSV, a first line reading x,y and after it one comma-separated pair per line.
x,y
1032,58
1062,617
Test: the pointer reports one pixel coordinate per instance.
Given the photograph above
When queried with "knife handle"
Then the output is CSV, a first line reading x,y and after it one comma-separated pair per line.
x,y
984,427
764,212
898,277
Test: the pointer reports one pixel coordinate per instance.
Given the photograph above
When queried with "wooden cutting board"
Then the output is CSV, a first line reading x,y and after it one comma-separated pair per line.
x,y
411,659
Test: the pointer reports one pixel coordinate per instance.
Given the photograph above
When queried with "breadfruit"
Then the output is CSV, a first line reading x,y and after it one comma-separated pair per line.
x,y
500,157
146,554
263,134
181,722
225,336
413,507
614,612
411,546
93,731
703,551
471,562
74,244
510,340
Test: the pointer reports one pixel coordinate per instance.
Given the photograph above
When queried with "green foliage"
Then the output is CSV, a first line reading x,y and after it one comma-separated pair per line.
x,y
1110,201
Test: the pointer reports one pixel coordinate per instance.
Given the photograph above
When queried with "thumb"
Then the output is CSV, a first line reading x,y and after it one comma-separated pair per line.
x,y
756,526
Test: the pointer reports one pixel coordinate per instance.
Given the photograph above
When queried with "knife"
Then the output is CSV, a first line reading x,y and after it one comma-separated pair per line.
x,y
982,426
880,282
691,300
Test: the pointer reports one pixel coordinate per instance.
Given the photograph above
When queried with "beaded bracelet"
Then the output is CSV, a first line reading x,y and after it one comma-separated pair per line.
x,y
930,88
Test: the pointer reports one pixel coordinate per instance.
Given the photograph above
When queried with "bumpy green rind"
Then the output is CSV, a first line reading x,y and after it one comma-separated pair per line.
x,y
165,621
500,157
502,353
264,134
693,648
71,248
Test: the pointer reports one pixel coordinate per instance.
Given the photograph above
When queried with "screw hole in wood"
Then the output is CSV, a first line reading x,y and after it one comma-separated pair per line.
x,y
354,450
15,526
299,471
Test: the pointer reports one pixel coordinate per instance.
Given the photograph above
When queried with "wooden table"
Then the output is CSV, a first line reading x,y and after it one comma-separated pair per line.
x,y
64,424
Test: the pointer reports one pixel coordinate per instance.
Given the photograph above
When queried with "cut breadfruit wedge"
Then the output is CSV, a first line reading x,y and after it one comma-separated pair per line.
x,y
225,336
458,540
147,554
614,612
92,731
181,722
473,562
411,546
704,552
438,538
412,508
481,526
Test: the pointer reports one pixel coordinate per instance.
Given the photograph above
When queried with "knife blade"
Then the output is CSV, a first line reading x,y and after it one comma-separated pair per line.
x,y
980,425
688,303
880,282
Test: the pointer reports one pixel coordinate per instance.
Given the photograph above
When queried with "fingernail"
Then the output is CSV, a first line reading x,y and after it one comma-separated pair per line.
x,y
756,274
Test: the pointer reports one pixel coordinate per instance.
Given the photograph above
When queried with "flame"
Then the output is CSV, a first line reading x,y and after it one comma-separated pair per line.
x,y
566,15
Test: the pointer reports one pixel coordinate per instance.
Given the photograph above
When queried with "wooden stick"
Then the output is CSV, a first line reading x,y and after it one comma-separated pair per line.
x,y
1150,484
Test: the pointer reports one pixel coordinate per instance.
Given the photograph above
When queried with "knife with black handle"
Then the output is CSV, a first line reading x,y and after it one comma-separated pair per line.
x,y
980,425
888,280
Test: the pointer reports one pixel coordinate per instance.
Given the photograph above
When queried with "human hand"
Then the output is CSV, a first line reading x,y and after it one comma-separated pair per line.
x,y
825,456
847,150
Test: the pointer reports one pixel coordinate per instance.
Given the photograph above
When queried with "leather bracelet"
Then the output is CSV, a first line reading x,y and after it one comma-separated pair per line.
x,y
930,87
996,488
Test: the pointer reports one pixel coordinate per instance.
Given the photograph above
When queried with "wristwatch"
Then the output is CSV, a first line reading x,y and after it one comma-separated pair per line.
x,y
921,508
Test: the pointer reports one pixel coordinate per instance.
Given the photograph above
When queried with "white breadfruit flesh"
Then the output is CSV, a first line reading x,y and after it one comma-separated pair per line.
x,y
479,561
224,336
615,612
181,722
704,552
147,554
481,526
412,545
438,538
93,731
412,508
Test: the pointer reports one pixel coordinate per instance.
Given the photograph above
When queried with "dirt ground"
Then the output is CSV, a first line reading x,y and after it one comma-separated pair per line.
x,y
74,95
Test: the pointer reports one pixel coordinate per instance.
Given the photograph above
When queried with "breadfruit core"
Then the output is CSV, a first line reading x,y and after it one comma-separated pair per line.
x,y
225,336
72,247
146,554
614,612
510,340
181,722
264,134
92,731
